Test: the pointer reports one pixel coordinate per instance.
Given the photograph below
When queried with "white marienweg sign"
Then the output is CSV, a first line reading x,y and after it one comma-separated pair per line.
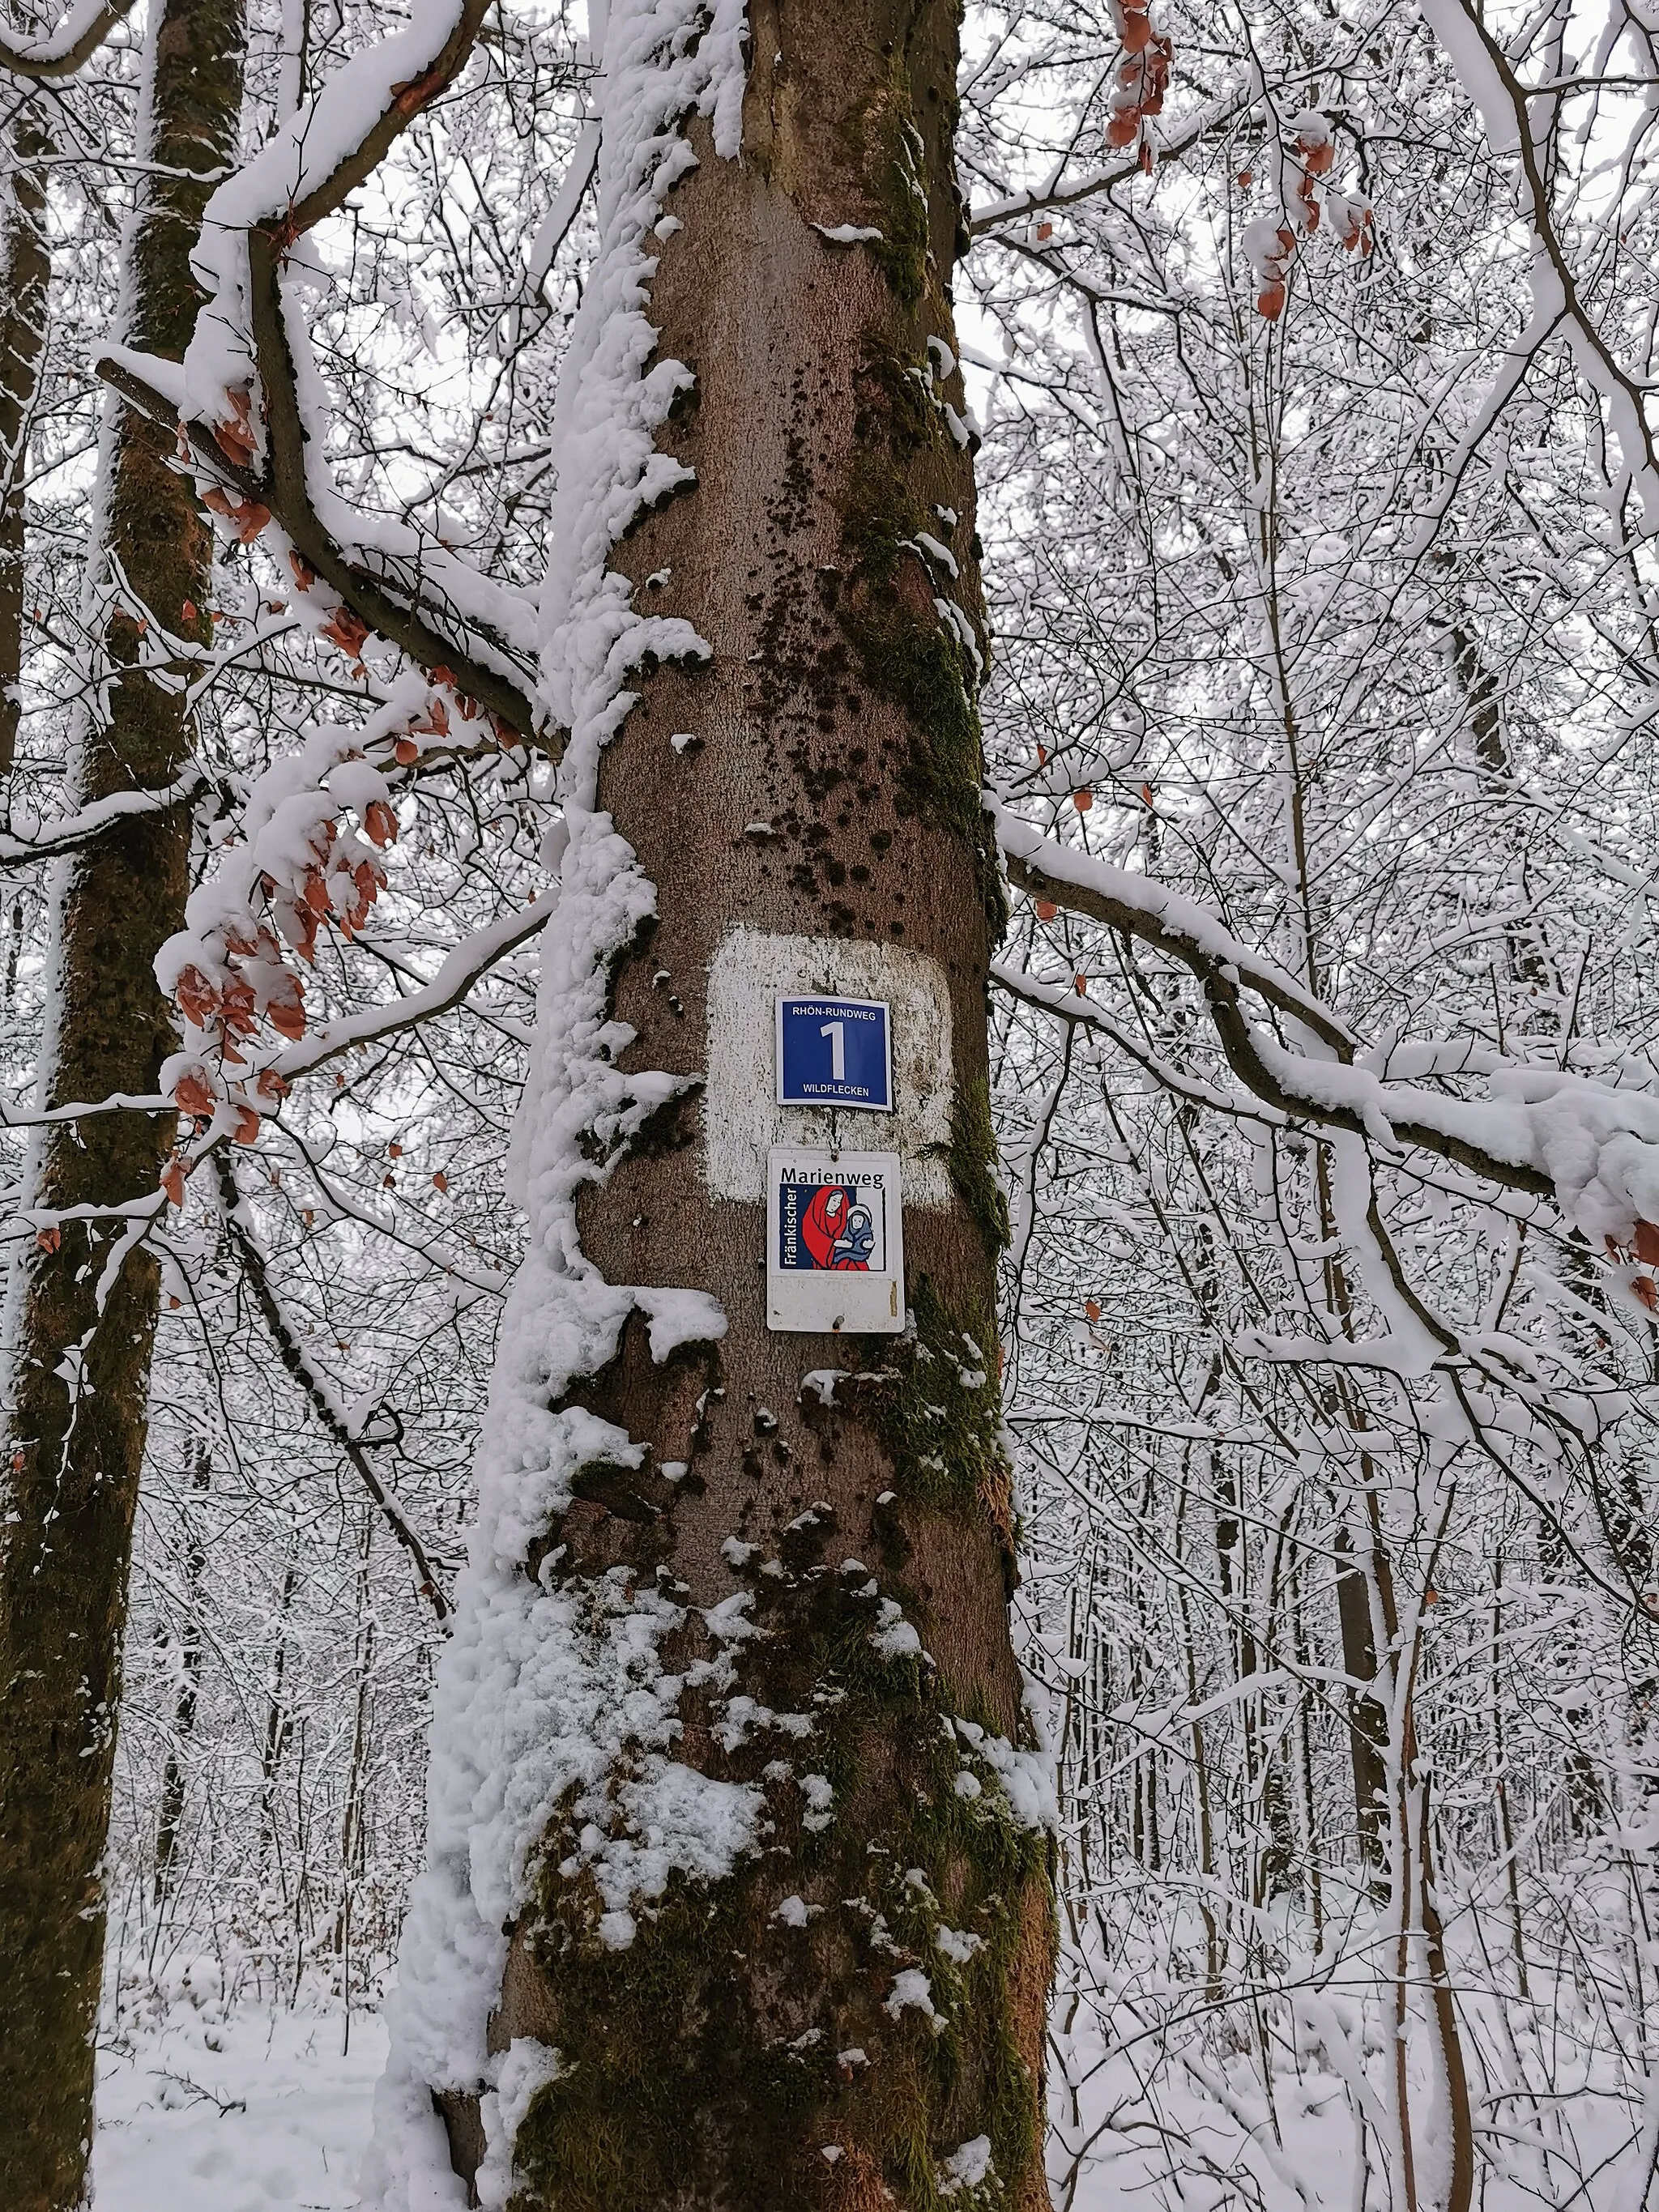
x,y
835,1241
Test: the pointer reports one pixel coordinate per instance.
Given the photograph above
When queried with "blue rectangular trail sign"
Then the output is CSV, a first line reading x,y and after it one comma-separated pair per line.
x,y
835,1052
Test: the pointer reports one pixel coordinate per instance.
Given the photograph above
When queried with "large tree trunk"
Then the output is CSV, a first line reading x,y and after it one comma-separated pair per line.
x,y
733,1657
84,1327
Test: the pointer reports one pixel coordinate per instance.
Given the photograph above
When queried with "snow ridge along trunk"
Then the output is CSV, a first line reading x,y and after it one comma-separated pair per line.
x,y
85,1312
739,1891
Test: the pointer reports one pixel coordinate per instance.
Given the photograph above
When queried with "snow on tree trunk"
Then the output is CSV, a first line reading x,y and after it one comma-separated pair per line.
x,y
739,1889
85,1302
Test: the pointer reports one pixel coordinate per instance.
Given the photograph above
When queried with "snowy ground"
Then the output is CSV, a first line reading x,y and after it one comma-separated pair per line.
x,y
243,2114
257,2114
254,2115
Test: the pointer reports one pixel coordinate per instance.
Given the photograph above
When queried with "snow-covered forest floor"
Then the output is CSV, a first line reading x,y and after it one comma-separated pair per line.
x,y
254,2110
262,2112
258,2110
251,2108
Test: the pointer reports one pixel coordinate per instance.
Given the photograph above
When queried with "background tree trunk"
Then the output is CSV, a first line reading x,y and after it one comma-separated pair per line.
x,y
1368,1722
85,1326
22,338
190,1685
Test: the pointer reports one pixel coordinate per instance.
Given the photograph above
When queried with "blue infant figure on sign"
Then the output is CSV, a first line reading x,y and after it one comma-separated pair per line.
x,y
854,1248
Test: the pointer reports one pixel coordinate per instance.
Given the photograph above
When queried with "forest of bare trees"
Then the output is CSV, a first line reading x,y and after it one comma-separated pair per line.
x,y
1124,537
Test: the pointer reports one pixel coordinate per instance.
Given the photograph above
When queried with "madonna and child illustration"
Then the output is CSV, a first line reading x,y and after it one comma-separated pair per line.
x,y
824,1225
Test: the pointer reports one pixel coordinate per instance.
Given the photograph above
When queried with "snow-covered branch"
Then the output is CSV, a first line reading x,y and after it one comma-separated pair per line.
x,y
1591,1147
60,51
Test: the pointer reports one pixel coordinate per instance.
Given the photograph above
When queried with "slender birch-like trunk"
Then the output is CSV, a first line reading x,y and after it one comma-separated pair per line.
x,y
1368,1722
739,1890
172,1808
85,1311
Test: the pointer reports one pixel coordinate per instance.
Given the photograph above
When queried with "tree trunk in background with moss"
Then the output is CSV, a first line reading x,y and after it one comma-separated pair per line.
x,y
85,1324
22,338
853,2016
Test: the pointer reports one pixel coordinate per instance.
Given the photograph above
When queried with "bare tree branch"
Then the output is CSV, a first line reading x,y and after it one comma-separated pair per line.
x,y
293,1358
284,491
1225,969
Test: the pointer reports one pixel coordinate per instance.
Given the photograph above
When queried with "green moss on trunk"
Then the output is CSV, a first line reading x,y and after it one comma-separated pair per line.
x,y
905,466
716,2057
940,1415
973,1163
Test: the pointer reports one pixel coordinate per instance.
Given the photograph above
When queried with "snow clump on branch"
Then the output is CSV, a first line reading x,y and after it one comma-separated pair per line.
x,y
304,862
1270,241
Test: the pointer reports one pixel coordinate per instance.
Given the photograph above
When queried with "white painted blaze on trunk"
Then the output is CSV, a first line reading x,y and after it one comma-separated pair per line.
x,y
742,1119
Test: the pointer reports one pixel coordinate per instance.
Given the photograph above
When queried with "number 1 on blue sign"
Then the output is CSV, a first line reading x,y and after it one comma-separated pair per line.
x,y
835,1052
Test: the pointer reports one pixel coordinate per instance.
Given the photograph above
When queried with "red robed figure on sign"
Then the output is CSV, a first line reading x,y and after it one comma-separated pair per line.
x,y
825,1225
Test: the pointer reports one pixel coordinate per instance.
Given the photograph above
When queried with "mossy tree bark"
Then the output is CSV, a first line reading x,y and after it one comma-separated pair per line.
x,y
24,269
753,2045
25,272
85,1311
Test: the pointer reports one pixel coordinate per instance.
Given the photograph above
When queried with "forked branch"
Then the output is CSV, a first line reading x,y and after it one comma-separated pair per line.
x,y
1330,1093
283,490
404,617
